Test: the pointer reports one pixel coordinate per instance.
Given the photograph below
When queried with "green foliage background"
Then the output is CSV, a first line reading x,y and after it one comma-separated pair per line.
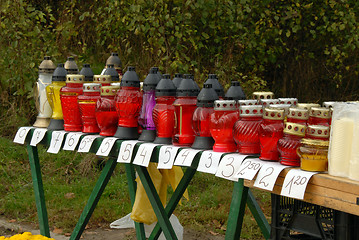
x,y
296,48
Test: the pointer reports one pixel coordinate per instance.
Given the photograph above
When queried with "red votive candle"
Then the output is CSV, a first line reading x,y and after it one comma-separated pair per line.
x,y
104,80
298,115
319,116
317,132
87,104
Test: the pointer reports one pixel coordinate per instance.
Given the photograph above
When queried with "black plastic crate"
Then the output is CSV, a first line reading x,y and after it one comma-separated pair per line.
x,y
295,219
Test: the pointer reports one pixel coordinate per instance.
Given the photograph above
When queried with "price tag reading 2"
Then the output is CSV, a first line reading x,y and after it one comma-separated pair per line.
x,y
126,149
86,143
144,153
209,162
295,183
268,175
106,146
56,141
37,136
72,140
167,156
249,168
229,165
21,135
185,157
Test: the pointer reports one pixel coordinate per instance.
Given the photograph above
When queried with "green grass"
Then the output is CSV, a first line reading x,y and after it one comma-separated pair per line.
x,y
74,174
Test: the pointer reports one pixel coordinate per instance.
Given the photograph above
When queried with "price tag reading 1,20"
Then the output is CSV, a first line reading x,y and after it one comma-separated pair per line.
x,y
229,165
144,153
167,156
56,141
268,175
126,149
86,143
21,135
106,146
71,141
37,136
249,168
209,162
295,183
185,157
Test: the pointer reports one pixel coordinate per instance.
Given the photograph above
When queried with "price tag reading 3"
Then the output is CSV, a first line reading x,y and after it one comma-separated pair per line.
x,y
86,143
71,141
144,153
268,175
295,183
167,156
209,162
106,146
229,165
249,168
37,136
126,149
56,141
185,157
21,135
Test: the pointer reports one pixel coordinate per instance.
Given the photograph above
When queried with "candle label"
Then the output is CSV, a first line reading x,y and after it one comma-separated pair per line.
x,y
126,149
185,157
268,174
21,135
56,141
71,141
86,143
106,146
249,168
144,154
167,156
295,183
229,165
209,162
37,136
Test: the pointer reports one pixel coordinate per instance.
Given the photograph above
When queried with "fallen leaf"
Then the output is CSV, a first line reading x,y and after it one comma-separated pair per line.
x,y
213,233
67,234
12,220
69,195
57,230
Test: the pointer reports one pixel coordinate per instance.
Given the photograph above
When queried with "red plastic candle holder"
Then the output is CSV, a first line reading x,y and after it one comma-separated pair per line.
x,y
104,80
291,101
87,104
319,116
317,132
298,115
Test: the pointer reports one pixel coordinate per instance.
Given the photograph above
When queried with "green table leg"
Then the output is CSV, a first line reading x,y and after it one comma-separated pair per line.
x,y
258,215
94,198
38,190
131,177
156,203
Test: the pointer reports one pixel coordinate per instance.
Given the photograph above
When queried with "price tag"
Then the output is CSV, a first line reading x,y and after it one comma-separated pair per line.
x,y
185,157
144,153
209,162
295,183
71,141
86,143
126,150
37,136
167,156
21,135
249,168
106,146
56,141
268,175
229,165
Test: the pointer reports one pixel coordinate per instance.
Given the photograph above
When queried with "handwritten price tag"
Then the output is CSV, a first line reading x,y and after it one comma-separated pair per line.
x,y
56,141
144,153
229,165
86,143
249,168
209,162
268,175
295,183
167,156
106,146
71,141
185,157
37,136
21,135
126,150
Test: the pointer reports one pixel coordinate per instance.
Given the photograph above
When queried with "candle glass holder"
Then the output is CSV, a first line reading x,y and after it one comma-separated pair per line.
x,y
319,116
298,115
104,80
87,104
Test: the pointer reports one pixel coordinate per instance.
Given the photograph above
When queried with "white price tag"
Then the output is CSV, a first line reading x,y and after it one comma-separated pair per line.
x,y
167,156
295,183
71,141
144,153
126,149
268,175
249,168
185,157
21,135
37,136
86,143
106,146
56,141
229,165
209,162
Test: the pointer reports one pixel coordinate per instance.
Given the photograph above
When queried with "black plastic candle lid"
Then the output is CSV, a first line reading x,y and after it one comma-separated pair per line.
x,y
110,70
177,79
207,96
235,92
188,87
87,72
71,66
151,80
115,60
59,73
165,87
130,78
212,79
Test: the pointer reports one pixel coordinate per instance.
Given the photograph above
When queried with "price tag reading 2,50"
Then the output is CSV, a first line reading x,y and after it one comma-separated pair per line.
x,y
209,162
56,141
295,183
229,165
249,168
185,157
167,156
86,143
144,153
126,149
268,175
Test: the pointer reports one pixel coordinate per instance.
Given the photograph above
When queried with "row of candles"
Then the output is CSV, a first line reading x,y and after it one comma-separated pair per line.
x,y
177,112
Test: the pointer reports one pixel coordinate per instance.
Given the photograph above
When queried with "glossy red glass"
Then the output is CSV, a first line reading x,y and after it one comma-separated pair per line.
x,y
164,117
183,134
319,116
317,132
87,104
298,115
201,121
104,80
128,106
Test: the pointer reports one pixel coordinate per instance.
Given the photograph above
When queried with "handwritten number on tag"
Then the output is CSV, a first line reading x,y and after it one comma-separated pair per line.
x,y
209,158
184,154
169,154
229,164
143,154
107,145
270,170
299,180
126,152
249,165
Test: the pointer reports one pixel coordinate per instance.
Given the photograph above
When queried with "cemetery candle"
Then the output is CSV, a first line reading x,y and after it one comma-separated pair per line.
x,y
110,70
71,66
104,80
87,72
87,104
